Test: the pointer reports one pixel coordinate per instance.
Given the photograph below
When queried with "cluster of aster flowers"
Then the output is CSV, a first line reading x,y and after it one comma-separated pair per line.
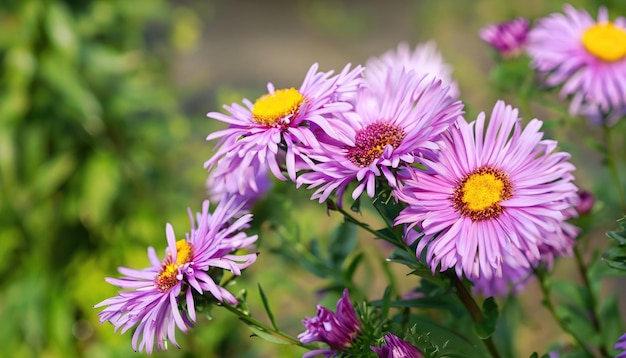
x,y
485,199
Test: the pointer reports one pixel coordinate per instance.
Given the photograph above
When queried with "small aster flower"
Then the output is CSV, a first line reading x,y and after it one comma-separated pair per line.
x,y
492,193
281,120
160,298
425,59
508,37
382,135
339,330
397,348
586,56
246,184
621,346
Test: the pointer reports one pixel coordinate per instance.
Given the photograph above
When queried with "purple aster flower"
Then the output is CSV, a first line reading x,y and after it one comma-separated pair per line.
x,y
426,60
280,121
160,298
621,346
494,192
508,37
339,330
246,184
383,134
586,56
397,348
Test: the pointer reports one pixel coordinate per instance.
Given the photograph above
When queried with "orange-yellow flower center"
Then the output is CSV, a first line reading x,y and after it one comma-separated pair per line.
x,y
372,140
479,194
167,278
270,109
605,41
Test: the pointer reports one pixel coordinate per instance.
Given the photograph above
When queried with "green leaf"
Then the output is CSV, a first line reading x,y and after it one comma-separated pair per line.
x,y
490,312
267,307
342,243
615,256
260,332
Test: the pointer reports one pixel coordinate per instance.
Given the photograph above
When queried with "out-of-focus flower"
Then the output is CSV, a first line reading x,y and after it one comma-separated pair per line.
x,y
160,298
586,56
280,121
397,348
508,38
491,193
425,60
597,117
585,203
245,184
384,133
339,330
621,346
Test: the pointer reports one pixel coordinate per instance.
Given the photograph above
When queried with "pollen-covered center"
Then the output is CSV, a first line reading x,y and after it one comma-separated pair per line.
x,y
605,41
271,108
167,278
372,140
479,194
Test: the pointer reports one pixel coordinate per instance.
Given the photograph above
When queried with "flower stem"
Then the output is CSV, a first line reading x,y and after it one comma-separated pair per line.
x,y
593,302
609,157
547,301
475,312
261,326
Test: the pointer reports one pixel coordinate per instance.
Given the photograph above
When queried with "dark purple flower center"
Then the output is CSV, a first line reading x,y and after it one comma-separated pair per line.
x,y
370,142
478,194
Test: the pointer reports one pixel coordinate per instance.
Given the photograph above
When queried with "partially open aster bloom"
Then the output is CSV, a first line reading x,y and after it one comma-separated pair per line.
x,y
397,348
160,298
425,59
586,56
280,121
621,346
492,193
383,134
508,37
339,330
245,184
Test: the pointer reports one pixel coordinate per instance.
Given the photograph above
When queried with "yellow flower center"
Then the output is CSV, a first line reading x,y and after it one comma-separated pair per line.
x,y
271,108
479,194
605,41
167,278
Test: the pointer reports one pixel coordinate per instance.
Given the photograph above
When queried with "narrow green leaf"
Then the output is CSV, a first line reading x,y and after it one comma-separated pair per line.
x,y
490,312
270,315
259,332
342,243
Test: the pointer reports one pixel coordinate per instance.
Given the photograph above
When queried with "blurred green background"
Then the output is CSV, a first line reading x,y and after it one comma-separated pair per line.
x,y
102,126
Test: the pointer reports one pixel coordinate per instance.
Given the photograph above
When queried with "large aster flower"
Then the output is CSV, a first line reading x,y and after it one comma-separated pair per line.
x,y
280,121
425,59
586,56
337,329
160,298
394,347
508,37
503,192
384,133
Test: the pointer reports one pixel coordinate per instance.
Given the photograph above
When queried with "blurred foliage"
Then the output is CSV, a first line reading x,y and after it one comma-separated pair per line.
x,y
90,164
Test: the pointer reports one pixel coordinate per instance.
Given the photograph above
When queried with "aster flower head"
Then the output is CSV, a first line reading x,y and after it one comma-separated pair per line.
x,y
280,121
395,347
159,298
621,346
425,59
339,329
494,192
586,56
508,37
381,136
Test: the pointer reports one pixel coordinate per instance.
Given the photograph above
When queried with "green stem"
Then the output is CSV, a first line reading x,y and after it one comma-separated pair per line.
x,y
475,312
276,333
612,165
593,302
547,301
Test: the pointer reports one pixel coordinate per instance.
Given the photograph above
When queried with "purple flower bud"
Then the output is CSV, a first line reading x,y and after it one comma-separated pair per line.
x,y
397,348
507,37
585,203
